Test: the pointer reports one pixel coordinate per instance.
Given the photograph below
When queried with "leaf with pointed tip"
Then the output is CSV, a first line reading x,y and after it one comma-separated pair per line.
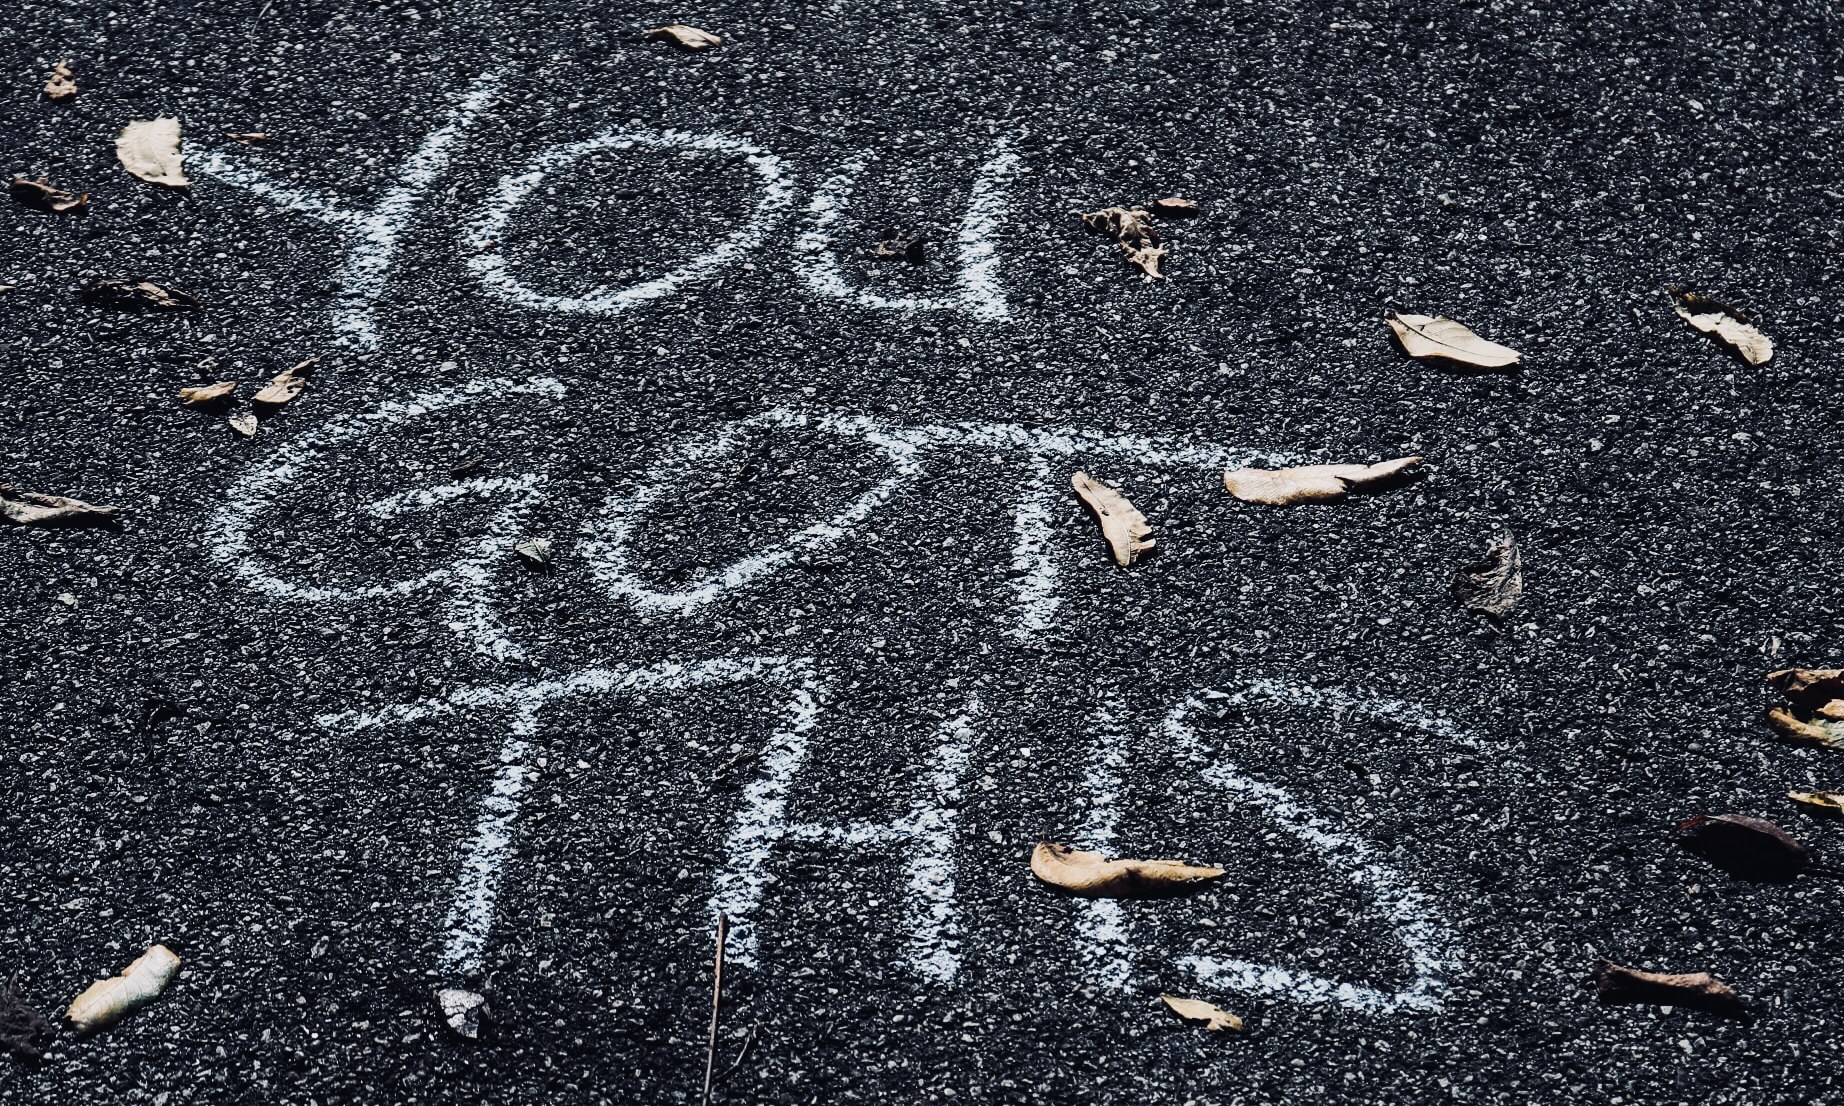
x,y
1215,1018
1439,336
1094,876
1312,483
1127,531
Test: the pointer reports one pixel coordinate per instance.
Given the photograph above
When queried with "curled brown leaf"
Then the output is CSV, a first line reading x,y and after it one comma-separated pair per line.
x,y
1745,847
34,509
42,195
1725,322
285,387
60,83
1132,229
689,38
1617,984
1494,584
207,395
1092,875
1127,531
1829,802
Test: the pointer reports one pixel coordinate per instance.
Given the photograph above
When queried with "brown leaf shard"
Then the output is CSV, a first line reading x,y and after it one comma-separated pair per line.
x,y
1819,690
60,83
1174,207
1830,802
1617,984
206,395
1732,326
136,295
1094,876
1822,732
1313,483
1127,531
149,149
1439,336
285,387
41,195
1132,228
689,38
1494,584
1747,848
33,509
1215,1018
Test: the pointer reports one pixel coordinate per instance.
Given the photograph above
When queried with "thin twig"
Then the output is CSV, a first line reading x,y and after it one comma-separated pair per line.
x,y
743,1053
717,998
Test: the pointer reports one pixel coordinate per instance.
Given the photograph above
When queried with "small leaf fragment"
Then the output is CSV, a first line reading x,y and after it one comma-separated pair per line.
x,y
464,1011
150,150
1127,531
1494,584
244,423
1132,229
284,388
1819,691
1617,984
1747,848
136,295
24,1031
42,195
537,553
1215,1018
33,509
1831,802
896,244
689,38
206,395
1439,336
1714,317
60,83
1094,876
1313,483
108,1001
1821,732
1174,207
248,138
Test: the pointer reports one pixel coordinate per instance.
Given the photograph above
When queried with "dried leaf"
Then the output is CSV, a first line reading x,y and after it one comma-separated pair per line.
x,y
464,1011
33,509
535,552
60,83
1439,336
1695,989
107,1001
24,1031
136,295
1094,876
900,245
1494,584
1747,848
1313,483
41,195
244,423
1138,238
1127,531
206,395
149,149
1197,1010
1822,732
1174,207
1818,690
248,138
284,388
1831,802
1726,323
690,38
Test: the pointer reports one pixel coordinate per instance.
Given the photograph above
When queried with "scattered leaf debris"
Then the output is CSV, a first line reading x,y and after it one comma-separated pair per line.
x,y
689,38
1127,531
1830,802
1133,229
1215,1018
1725,322
150,150
1747,848
1817,713
1094,876
60,83
899,244
42,195
1701,990
536,553
34,509
207,395
1174,207
248,138
244,423
108,1001
465,1011
285,387
1494,584
136,295
1313,483
1439,336
24,1031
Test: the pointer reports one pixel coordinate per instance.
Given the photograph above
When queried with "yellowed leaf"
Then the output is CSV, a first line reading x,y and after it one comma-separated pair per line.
x,y
1726,323
1094,876
1215,1018
61,83
285,387
1312,483
690,38
1827,733
107,1001
149,149
204,395
1831,802
1127,531
1439,336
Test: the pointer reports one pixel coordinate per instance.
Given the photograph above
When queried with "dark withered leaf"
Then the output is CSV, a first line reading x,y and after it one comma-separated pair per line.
x,y
1747,848
24,1031
1701,990
42,195
1494,584
136,295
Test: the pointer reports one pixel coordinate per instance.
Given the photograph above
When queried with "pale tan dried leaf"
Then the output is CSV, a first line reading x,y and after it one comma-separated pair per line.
x,y
1494,584
1827,733
1439,336
285,387
1699,989
149,149
1132,229
34,509
60,83
1831,802
1312,483
1726,323
1174,207
204,395
107,1001
43,196
1818,690
244,423
1127,531
1215,1018
690,38
1094,876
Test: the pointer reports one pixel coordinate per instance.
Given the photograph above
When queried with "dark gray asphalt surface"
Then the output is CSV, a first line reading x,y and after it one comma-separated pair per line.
x,y
1538,171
